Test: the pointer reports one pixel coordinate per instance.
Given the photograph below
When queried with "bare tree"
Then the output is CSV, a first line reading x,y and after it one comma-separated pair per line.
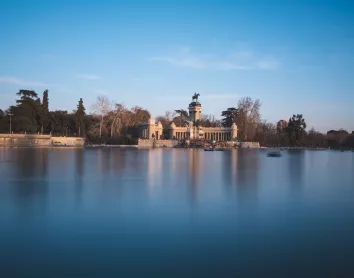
x,y
118,117
248,116
209,121
102,107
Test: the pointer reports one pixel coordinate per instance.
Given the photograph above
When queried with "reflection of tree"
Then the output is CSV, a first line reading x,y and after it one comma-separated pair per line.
x,y
229,168
30,185
79,173
296,165
247,177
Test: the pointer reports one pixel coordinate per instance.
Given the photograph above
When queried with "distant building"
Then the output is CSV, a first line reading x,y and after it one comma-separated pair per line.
x,y
191,130
281,125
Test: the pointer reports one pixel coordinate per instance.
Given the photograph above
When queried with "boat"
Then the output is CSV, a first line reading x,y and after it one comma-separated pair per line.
x,y
209,150
274,154
220,150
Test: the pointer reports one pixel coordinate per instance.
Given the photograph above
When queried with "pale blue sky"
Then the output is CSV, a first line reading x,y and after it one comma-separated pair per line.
x,y
296,56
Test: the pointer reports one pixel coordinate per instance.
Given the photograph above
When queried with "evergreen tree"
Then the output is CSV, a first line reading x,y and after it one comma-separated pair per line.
x,y
296,127
45,117
182,117
28,112
80,115
230,116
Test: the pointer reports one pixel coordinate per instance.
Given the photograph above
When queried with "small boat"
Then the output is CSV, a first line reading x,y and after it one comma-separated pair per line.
x,y
209,150
274,154
220,150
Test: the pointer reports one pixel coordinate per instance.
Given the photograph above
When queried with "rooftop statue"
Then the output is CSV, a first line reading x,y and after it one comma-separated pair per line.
x,y
195,97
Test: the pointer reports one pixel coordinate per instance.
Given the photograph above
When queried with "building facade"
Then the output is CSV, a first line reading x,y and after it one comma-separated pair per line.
x,y
150,130
191,130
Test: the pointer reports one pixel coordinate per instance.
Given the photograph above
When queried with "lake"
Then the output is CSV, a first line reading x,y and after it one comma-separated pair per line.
x,y
175,213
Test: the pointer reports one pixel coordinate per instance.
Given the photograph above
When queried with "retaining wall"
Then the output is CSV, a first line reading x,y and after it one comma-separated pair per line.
x,y
39,140
250,145
144,143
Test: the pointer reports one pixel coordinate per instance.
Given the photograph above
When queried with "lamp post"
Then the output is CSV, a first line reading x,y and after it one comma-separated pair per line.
x,y
10,114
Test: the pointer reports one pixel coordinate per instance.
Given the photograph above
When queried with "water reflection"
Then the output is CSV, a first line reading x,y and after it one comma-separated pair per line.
x,y
229,168
247,177
155,169
257,228
79,174
296,170
30,182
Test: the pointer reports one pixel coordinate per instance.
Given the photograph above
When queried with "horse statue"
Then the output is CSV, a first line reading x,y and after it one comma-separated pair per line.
x,y
195,97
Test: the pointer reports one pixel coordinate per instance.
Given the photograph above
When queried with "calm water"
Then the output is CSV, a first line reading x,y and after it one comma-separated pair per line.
x,y
175,213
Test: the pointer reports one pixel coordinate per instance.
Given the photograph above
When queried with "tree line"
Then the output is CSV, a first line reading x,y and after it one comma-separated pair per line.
x,y
112,122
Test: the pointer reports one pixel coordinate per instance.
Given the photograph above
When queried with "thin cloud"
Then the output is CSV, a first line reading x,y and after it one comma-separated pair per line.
x,y
190,62
11,80
242,60
88,76
268,64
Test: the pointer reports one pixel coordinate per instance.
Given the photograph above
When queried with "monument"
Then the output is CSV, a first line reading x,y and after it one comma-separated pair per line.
x,y
191,130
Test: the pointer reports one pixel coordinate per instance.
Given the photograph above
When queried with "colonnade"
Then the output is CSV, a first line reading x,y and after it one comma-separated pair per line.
x,y
145,133
181,135
218,136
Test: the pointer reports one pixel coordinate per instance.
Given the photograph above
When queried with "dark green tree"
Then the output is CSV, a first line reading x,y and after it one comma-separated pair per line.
x,y
230,116
296,127
181,118
80,116
44,115
27,115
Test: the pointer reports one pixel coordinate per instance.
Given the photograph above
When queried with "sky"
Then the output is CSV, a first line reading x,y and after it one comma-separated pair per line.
x,y
297,57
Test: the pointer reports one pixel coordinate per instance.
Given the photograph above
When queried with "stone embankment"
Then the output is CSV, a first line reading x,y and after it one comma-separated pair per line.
x,y
37,140
196,143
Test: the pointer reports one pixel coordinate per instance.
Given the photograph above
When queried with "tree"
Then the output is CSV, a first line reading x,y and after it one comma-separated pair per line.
x,y
166,120
209,121
80,115
28,112
266,134
230,116
2,114
248,116
296,127
181,118
45,119
102,107
315,139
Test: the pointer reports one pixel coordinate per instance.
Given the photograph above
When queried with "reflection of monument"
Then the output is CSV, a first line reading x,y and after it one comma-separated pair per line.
x,y
191,130
194,172
194,131
154,168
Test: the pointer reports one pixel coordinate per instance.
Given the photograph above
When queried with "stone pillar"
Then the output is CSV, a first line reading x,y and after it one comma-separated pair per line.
x,y
234,131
